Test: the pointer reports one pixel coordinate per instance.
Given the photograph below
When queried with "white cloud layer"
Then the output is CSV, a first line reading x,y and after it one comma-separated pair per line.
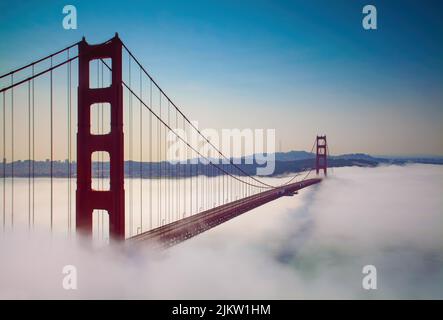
x,y
313,245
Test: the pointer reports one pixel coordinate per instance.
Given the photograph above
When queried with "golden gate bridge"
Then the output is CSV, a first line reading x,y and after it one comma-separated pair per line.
x,y
122,118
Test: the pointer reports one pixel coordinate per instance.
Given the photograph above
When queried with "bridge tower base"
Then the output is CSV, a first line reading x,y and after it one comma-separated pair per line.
x,y
87,199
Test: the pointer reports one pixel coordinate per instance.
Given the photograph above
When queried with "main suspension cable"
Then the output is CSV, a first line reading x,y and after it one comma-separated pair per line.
x,y
38,61
187,120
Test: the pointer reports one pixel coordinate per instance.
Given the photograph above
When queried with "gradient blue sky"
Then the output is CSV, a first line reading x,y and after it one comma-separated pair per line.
x,y
301,67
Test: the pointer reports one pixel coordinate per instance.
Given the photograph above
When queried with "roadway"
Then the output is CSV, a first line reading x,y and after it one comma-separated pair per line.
x,y
181,230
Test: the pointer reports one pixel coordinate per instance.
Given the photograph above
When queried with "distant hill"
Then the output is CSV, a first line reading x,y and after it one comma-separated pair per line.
x,y
355,156
293,155
303,155
289,156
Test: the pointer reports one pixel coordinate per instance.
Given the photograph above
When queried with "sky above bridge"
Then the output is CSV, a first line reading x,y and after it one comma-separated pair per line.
x,y
300,67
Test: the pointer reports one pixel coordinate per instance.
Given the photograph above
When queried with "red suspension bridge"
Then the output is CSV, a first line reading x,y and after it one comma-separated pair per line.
x,y
123,120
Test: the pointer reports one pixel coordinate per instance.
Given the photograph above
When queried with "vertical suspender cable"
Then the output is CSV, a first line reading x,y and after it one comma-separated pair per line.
x,y
165,194
191,172
165,172
159,164
224,183
141,153
212,186
130,150
180,172
102,159
29,155
202,189
12,152
162,195
165,181
185,176
67,116
196,182
52,147
69,148
233,185
33,148
150,157
168,168
168,185
177,181
229,183
4,162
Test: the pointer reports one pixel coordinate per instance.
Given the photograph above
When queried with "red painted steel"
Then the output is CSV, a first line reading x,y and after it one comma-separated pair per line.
x,y
321,160
88,199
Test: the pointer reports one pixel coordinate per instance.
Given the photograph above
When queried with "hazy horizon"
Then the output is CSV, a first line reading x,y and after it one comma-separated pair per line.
x,y
399,156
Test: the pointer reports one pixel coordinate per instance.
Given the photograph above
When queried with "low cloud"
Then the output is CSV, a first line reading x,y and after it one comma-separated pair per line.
x,y
313,245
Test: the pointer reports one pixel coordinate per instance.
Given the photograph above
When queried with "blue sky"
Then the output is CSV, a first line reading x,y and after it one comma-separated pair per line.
x,y
301,67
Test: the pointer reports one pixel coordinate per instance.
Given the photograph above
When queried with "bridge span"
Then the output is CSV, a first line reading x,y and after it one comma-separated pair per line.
x,y
184,229
125,122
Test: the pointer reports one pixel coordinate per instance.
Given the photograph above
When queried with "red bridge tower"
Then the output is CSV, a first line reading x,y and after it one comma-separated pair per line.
x,y
321,160
87,199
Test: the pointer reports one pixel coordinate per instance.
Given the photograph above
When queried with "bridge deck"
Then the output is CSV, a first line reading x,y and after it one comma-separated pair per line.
x,y
181,230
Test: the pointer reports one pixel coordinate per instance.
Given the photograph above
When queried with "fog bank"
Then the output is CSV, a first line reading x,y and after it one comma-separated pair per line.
x,y
313,245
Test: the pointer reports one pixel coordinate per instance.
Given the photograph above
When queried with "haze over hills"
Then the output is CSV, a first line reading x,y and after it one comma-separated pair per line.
x,y
285,162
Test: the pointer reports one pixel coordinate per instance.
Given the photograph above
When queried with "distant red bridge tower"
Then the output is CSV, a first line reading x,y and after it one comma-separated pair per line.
x,y
87,199
321,160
